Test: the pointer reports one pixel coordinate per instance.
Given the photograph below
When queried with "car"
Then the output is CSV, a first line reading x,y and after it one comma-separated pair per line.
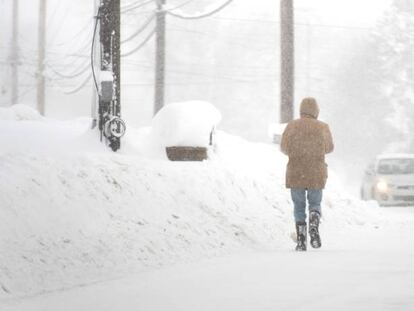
x,y
390,180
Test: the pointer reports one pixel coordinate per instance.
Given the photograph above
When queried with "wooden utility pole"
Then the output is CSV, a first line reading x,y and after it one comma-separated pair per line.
x,y
287,57
160,57
308,57
110,123
96,56
14,55
41,57
110,39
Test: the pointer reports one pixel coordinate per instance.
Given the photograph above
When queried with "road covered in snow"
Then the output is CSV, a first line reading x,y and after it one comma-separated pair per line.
x,y
359,270
86,229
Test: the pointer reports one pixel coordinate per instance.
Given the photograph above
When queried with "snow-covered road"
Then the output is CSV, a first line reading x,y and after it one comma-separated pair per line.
x,y
362,270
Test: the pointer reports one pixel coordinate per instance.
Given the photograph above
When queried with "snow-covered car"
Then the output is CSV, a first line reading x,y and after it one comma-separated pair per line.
x,y
390,180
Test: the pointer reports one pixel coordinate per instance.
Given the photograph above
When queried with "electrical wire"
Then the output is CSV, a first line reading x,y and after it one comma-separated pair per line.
x,y
69,76
230,41
68,65
129,5
150,35
296,23
252,77
81,85
97,17
203,15
84,27
180,5
139,30
61,70
57,30
136,6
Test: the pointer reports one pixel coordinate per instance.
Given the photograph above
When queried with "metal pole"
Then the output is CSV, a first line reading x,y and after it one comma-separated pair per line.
x,y
41,57
160,57
14,56
287,61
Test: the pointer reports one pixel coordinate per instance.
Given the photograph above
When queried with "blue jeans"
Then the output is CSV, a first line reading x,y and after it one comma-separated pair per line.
x,y
299,202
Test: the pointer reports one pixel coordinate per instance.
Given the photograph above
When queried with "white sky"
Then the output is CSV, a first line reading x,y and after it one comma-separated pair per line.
x,y
67,17
362,13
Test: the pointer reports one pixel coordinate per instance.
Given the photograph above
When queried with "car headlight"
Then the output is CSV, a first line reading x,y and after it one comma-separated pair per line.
x,y
382,186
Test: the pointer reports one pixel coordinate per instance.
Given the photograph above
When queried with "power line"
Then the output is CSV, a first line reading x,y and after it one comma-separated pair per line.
x,y
203,15
295,23
221,77
232,42
132,4
180,5
49,22
83,42
134,7
63,61
184,83
97,17
128,5
139,30
67,70
81,86
78,33
58,53
235,66
69,76
149,36
160,44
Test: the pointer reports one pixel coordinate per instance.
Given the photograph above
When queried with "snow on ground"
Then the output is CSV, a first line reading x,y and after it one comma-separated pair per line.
x,y
362,269
74,213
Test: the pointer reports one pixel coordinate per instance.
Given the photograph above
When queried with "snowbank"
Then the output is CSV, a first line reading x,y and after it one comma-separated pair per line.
x,y
76,213
185,124
19,112
178,124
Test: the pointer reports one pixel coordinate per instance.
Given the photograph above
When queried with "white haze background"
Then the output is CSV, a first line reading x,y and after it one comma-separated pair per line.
x,y
230,60
75,213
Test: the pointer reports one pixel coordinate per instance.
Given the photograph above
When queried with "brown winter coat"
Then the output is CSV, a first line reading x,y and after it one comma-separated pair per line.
x,y
306,141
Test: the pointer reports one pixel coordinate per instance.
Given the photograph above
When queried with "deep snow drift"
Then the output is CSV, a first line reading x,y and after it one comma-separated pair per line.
x,y
74,213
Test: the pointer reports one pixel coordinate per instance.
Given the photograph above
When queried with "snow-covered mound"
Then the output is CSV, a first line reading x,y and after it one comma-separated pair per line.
x,y
185,124
19,112
73,212
177,124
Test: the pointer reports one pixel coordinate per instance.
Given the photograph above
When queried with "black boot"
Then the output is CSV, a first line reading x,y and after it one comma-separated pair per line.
x,y
315,239
301,236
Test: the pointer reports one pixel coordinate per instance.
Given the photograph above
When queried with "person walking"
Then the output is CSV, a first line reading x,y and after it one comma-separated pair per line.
x,y
306,141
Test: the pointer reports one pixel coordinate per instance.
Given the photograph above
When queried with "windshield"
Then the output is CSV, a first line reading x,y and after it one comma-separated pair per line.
x,y
396,166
